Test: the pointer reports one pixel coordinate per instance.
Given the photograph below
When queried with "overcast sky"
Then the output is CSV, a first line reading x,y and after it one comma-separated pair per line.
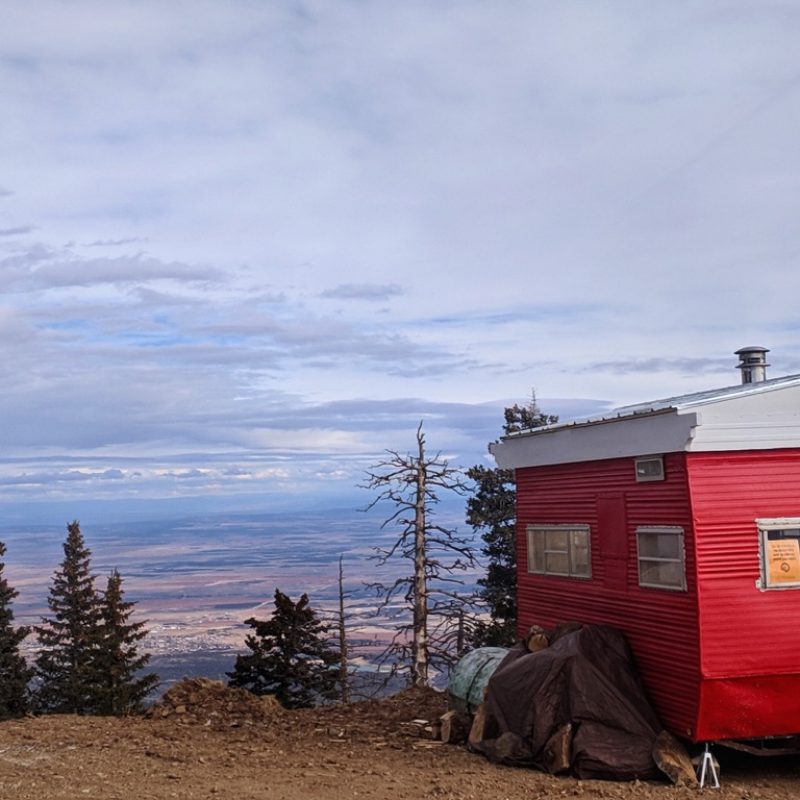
x,y
246,245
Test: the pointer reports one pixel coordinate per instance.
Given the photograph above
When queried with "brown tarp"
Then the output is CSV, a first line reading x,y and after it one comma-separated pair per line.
x,y
582,690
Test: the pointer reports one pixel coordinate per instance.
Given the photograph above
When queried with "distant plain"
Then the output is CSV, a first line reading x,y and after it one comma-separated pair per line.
x,y
196,579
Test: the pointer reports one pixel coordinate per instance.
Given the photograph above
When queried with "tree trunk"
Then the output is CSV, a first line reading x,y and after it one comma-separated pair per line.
x,y
419,644
344,675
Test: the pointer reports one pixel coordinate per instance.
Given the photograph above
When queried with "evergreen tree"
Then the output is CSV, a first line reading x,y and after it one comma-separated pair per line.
x,y
491,511
120,691
67,664
14,672
289,657
525,418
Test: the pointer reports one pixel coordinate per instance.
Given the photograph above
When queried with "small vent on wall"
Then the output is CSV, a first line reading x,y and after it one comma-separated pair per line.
x,y
650,468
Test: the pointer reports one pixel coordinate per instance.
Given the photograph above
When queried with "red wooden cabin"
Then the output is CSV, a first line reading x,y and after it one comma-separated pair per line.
x,y
677,521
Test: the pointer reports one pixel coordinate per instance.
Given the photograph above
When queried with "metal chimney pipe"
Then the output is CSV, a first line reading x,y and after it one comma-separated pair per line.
x,y
753,364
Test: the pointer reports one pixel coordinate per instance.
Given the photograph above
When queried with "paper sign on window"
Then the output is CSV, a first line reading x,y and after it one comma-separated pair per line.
x,y
783,561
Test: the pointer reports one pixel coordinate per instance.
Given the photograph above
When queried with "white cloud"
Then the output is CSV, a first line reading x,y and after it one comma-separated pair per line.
x,y
239,223
362,291
19,230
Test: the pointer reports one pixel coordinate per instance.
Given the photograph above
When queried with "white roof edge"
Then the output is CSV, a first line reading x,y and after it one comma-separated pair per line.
x,y
679,404
714,395
583,423
760,416
646,434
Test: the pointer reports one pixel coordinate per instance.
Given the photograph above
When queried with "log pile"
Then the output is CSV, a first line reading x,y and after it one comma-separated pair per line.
x,y
200,701
557,744
455,726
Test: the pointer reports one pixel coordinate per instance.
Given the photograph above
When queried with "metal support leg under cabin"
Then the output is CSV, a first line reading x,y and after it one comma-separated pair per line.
x,y
708,768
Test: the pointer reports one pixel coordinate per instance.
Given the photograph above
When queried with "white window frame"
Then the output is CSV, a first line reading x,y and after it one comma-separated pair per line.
x,y
765,526
536,569
662,530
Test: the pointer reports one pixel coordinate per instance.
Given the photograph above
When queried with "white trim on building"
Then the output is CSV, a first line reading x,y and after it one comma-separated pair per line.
x,y
760,416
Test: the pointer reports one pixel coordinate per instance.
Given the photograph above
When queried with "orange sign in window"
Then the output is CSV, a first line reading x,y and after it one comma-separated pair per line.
x,y
783,561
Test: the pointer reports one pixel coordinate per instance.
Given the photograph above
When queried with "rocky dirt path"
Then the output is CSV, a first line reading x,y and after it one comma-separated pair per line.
x,y
364,751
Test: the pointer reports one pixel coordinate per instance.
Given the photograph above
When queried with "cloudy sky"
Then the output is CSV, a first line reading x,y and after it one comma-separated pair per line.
x,y
246,245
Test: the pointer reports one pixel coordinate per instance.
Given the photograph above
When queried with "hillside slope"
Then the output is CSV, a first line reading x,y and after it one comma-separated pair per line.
x,y
365,751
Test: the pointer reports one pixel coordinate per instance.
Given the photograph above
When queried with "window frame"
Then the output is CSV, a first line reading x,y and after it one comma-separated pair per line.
x,y
764,527
534,528
675,530
661,475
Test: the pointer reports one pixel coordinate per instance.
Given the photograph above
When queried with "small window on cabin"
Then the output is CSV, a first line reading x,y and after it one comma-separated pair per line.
x,y
650,468
780,552
662,561
559,550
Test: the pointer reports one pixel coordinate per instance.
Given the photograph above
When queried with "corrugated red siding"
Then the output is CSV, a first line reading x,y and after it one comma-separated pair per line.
x,y
750,639
749,708
661,625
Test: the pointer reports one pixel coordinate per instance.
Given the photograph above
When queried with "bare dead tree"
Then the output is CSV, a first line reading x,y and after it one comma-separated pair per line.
x,y
337,622
412,484
341,624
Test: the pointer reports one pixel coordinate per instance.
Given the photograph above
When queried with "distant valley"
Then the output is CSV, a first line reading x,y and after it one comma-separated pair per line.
x,y
196,579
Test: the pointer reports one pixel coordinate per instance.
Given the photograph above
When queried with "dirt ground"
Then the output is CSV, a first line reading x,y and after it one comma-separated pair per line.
x,y
366,750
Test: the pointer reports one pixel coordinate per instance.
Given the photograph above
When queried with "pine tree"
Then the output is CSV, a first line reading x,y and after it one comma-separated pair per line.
x,y
289,657
120,691
14,672
67,664
491,511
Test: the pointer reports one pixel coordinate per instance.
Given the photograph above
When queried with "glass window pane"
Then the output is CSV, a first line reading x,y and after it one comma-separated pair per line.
x,y
557,540
648,544
785,533
661,573
559,550
648,572
671,574
580,552
659,545
557,563
536,541
661,561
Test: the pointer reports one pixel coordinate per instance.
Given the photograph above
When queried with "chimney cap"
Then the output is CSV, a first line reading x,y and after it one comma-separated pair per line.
x,y
753,364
